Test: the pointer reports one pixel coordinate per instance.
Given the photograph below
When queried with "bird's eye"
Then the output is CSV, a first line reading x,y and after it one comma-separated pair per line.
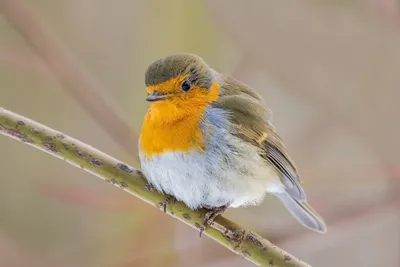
x,y
185,86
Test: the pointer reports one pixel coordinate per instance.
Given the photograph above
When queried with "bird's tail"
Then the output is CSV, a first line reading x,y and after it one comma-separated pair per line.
x,y
303,213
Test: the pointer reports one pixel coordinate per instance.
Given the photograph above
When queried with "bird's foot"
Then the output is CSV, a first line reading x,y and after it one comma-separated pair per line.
x,y
149,187
213,213
163,204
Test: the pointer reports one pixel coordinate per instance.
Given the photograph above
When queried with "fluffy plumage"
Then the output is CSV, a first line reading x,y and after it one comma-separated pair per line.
x,y
215,144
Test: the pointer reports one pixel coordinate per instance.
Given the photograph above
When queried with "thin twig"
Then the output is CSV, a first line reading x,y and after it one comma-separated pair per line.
x,y
241,241
82,87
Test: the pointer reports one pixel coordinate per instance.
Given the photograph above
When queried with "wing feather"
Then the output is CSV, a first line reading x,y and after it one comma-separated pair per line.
x,y
253,124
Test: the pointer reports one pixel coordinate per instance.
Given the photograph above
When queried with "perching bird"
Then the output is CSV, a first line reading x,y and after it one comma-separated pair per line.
x,y
207,140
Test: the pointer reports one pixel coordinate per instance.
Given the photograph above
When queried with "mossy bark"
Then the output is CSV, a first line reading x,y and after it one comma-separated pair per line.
x,y
239,240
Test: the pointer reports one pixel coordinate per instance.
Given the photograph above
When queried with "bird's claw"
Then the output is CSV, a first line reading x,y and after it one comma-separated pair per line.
x,y
149,187
211,215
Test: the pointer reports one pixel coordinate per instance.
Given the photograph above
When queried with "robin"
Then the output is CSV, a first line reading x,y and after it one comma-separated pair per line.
x,y
207,140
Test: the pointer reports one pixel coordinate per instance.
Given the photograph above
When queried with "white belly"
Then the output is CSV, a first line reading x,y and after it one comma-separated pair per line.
x,y
215,177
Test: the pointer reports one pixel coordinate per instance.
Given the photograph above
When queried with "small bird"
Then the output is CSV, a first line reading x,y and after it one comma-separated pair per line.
x,y
207,140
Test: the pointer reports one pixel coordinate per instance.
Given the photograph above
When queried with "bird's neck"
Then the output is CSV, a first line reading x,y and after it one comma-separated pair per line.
x,y
167,128
175,124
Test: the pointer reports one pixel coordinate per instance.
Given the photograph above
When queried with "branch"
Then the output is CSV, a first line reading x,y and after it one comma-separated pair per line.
x,y
241,241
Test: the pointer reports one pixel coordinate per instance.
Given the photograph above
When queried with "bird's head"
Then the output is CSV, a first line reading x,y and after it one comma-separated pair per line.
x,y
180,83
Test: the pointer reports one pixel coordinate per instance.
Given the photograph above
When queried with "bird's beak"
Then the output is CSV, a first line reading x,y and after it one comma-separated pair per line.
x,y
156,96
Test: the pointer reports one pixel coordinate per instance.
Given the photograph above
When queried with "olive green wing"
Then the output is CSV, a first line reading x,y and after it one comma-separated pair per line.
x,y
251,119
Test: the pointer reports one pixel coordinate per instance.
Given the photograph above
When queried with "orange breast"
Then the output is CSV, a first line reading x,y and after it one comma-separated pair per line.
x,y
174,124
157,137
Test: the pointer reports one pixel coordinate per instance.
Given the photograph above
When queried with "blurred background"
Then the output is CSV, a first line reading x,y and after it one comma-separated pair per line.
x,y
329,70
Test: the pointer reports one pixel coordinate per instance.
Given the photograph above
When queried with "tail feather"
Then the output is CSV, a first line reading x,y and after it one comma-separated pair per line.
x,y
303,213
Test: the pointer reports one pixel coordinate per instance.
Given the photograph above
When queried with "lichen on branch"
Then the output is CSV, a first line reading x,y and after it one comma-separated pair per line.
x,y
243,242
